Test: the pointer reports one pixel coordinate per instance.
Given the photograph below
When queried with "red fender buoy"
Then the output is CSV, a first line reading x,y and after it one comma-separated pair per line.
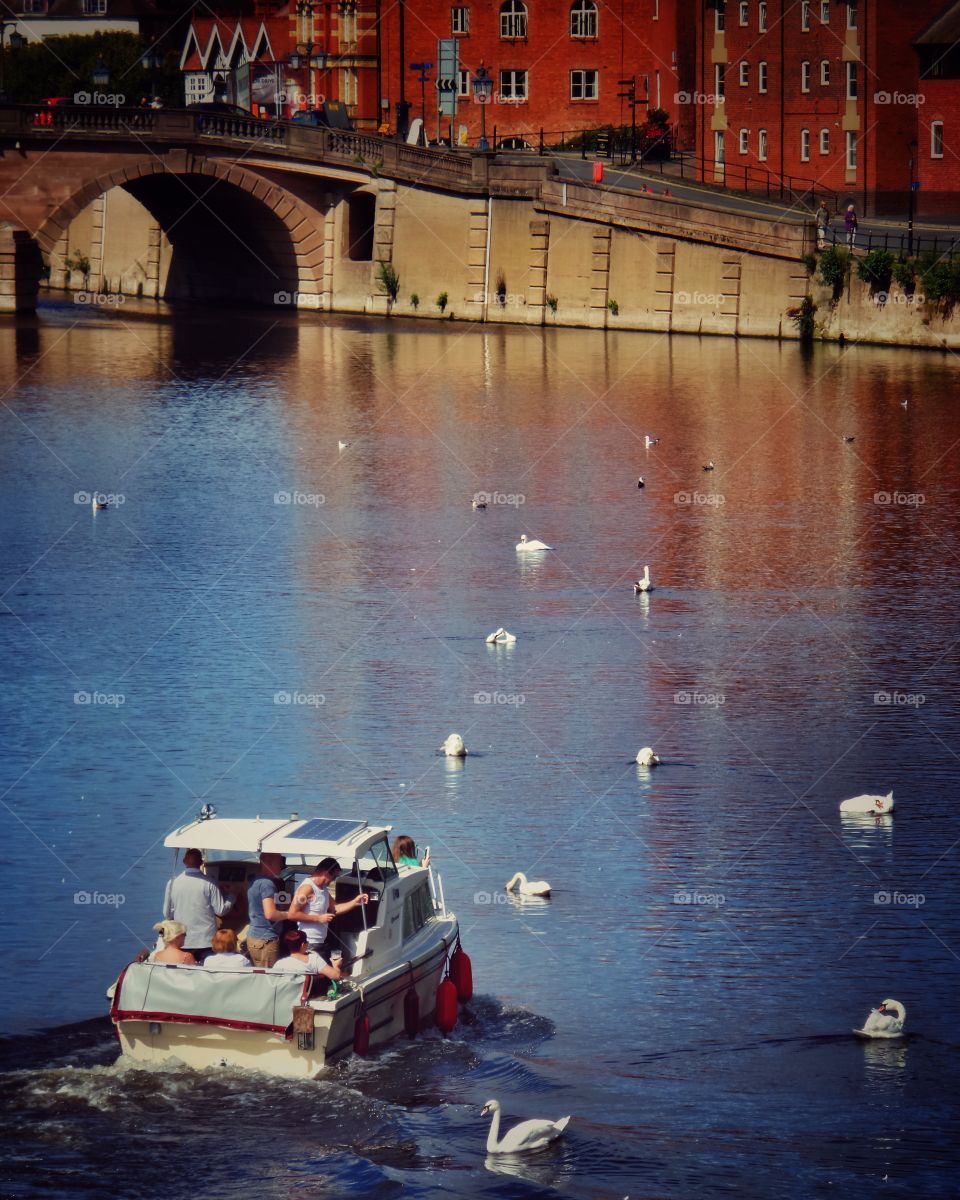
x,y
411,1013
446,1006
461,972
361,1034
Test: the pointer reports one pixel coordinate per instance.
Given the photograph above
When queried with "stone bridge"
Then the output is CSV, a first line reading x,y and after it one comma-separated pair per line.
x,y
225,209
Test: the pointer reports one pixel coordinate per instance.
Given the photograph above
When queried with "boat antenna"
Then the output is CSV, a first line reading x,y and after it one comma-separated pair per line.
x,y
207,813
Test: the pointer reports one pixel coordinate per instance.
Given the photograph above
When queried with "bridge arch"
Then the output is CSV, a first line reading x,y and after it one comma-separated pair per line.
x,y
234,235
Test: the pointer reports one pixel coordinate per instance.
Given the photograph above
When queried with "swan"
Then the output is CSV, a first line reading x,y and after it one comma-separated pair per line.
x,y
643,584
641,482
341,445
500,637
647,758
649,441
528,1135
453,747
868,804
526,543
96,503
884,1022
535,887
709,465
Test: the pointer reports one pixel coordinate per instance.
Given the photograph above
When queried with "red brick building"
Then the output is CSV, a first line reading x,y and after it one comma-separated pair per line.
x,y
937,155
820,95
556,64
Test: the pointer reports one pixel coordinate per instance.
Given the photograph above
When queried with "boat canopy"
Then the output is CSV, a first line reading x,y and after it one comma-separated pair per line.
x,y
311,839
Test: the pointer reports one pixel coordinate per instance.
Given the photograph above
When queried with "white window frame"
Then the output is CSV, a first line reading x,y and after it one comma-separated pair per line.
x,y
936,139
514,85
719,82
824,12
804,16
824,141
805,76
824,72
744,12
720,16
762,145
851,151
851,80
804,145
587,77
762,16
459,20
584,20
852,15
719,148
744,141
513,20
744,74
463,84
762,77
94,8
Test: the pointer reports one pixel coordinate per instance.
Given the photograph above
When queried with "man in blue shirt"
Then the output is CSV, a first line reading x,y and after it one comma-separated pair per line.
x,y
266,920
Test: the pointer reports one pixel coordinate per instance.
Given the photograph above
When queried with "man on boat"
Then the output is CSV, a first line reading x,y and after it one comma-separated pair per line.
x,y
266,920
313,909
196,902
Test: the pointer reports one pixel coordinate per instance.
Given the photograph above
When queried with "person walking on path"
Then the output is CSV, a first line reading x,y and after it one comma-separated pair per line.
x,y
823,222
850,225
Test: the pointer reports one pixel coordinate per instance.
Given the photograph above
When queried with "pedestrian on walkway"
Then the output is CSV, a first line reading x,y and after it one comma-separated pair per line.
x,y
823,222
850,224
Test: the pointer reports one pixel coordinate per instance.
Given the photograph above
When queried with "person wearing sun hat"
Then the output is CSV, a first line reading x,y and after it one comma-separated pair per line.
x,y
173,934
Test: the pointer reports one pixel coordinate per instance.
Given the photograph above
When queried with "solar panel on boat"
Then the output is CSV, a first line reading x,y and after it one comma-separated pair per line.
x,y
324,829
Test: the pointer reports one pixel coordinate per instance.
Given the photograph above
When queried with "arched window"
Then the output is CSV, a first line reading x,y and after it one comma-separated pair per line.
x,y
583,19
513,19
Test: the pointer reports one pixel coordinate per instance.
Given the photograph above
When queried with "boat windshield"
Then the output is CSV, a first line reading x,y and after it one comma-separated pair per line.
x,y
376,862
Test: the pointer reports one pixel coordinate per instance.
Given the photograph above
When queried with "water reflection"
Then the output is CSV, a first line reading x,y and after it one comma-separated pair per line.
x,y
548,1168
862,830
884,1062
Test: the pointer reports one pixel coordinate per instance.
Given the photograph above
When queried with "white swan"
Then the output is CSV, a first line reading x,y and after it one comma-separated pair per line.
x,y
868,804
528,1135
95,503
884,1022
643,584
453,747
501,637
649,441
536,887
647,758
526,543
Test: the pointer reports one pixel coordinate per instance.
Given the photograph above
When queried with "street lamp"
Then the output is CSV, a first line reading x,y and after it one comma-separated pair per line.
x,y
16,41
304,56
914,184
482,85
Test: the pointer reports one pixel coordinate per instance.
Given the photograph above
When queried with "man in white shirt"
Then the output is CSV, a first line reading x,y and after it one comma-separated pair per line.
x,y
195,901
313,908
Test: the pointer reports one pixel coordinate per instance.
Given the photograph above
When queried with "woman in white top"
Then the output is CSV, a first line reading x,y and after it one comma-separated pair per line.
x,y
225,956
300,958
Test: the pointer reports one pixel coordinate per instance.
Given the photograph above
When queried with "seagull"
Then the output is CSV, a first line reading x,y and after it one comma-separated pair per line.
x,y
709,465
904,403
342,445
848,439
640,482
97,503
649,441
475,504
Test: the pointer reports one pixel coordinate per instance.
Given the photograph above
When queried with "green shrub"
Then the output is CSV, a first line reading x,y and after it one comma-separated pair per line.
x,y
442,301
552,303
78,262
415,300
935,281
876,268
614,308
810,262
905,275
803,318
388,279
834,264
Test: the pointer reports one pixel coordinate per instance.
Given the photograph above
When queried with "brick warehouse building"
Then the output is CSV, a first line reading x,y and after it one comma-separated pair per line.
x,y
555,63
821,94
937,155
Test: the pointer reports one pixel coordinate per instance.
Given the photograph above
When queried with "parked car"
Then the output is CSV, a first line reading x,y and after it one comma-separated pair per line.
x,y
333,115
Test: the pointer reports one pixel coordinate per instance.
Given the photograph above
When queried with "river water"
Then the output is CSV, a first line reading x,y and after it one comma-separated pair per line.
x,y
269,622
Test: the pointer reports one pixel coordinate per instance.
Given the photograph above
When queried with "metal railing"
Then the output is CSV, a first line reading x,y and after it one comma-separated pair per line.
x,y
942,245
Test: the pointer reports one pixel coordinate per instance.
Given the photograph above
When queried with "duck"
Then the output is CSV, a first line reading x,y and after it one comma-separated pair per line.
x,y
641,482
868,804
649,441
884,1022
709,466
528,887
643,584
453,747
526,543
501,637
476,504
96,503
528,1135
647,758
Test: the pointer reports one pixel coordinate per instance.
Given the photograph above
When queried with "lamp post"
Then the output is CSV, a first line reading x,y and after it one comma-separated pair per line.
x,y
16,41
423,68
482,85
910,200
305,56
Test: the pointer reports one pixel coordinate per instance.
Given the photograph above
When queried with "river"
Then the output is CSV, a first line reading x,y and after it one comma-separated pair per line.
x,y
268,621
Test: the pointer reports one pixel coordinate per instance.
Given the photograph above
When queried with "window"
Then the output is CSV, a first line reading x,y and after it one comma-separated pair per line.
x,y
94,8
744,13
348,85
584,85
656,10
744,140
851,150
583,19
825,71
824,141
851,15
804,77
33,7
762,145
805,16
744,74
417,910
463,84
719,82
824,12
720,15
761,76
804,145
936,139
348,24
459,20
762,16
513,85
851,81
513,19
718,151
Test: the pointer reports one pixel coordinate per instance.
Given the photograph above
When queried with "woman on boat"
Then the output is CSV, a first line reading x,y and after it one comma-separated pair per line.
x,y
173,934
405,853
299,958
225,956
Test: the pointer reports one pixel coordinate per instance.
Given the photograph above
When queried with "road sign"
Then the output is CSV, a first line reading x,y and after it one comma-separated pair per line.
x,y
448,69
421,66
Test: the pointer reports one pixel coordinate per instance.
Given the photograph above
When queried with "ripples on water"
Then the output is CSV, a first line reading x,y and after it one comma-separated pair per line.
x,y
714,930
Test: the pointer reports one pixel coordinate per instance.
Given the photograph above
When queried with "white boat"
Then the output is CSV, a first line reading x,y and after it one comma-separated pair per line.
x,y
395,947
